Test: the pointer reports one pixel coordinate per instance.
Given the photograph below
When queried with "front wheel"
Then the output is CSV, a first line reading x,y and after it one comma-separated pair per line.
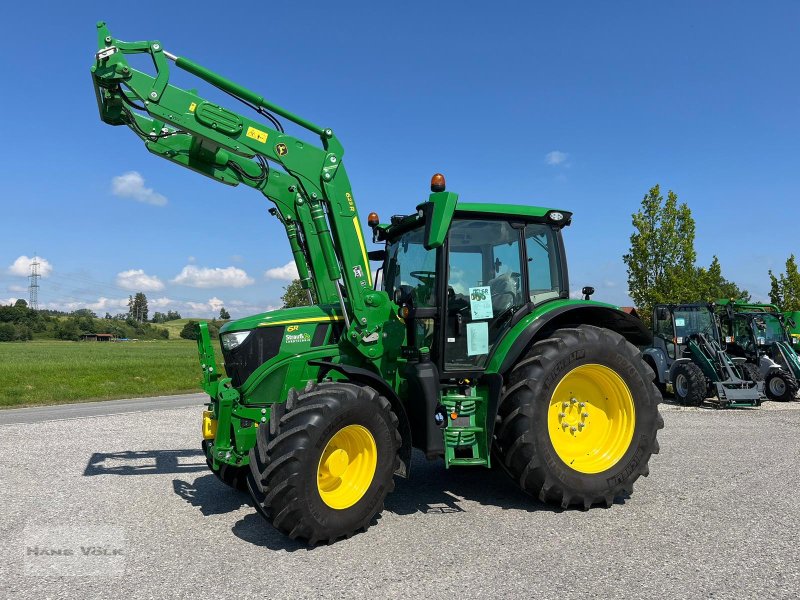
x,y
579,419
689,385
781,385
321,469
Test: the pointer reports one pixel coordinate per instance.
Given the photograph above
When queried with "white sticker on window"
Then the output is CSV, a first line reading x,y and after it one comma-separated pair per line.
x,y
477,338
680,322
480,302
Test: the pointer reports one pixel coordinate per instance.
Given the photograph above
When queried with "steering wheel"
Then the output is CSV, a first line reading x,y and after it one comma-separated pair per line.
x,y
426,277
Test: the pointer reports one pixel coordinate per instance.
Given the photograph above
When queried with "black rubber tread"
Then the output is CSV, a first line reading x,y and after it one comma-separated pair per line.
x,y
790,382
522,443
283,463
235,477
751,372
698,385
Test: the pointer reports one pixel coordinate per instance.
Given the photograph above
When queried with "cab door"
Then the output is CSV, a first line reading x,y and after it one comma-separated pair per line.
x,y
485,286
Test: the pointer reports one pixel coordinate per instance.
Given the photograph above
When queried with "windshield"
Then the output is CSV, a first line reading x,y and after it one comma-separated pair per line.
x,y
693,320
768,329
411,268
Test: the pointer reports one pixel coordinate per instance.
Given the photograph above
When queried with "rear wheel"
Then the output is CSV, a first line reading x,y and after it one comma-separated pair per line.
x,y
322,468
579,418
780,385
689,384
752,372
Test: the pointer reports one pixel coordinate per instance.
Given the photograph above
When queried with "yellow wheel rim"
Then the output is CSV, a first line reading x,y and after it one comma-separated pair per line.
x,y
591,418
347,466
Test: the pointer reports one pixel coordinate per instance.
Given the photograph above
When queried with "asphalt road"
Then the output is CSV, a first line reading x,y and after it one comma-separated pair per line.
x,y
718,517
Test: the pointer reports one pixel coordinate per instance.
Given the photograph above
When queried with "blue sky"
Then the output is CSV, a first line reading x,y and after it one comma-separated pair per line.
x,y
701,97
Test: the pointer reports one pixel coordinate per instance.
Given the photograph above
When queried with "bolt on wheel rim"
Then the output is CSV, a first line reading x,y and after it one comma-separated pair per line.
x,y
347,467
591,418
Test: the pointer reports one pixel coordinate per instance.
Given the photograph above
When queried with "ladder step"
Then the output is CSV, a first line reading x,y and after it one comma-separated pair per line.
x,y
473,462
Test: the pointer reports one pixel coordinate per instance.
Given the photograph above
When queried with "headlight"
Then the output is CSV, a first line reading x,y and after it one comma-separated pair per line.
x,y
556,216
233,340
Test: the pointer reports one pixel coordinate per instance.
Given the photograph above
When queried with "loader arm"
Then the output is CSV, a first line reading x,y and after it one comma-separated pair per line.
x,y
310,188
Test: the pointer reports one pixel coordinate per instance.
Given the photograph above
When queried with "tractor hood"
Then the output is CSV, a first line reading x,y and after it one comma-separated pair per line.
x,y
286,316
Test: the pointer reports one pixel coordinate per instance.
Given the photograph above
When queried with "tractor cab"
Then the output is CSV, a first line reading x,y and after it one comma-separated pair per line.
x,y
495,264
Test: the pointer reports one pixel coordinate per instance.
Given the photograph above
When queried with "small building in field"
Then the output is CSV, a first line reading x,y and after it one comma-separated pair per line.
x,y
96,337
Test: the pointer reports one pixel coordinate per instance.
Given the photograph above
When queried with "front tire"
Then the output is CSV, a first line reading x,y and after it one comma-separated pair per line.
x,y
322,468
689,385
579,418
780,385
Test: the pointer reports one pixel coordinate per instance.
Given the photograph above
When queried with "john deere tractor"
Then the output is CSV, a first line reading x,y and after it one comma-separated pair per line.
x,y
758,333
688,359
469,350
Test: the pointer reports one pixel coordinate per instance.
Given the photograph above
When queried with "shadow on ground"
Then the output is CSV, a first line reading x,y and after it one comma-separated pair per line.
x,y
210,495
145,462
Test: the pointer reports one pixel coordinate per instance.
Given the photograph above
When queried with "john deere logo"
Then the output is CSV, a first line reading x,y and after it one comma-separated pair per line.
x,y
281,150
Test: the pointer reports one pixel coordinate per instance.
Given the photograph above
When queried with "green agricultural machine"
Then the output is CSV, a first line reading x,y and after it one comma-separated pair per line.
x,y
469,350
793,326
758,333
688,359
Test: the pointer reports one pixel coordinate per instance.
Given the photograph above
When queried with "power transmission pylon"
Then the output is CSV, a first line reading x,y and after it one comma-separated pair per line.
x,y
33,288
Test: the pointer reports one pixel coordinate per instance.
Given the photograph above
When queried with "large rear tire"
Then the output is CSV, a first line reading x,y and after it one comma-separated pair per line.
x,y
579,418
322,468
780,385
689,385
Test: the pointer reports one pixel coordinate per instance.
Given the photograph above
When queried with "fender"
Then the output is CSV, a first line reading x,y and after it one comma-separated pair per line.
x,y
541,323
659,361
366,377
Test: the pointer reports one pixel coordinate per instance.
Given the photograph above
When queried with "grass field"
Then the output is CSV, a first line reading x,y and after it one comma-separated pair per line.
x,y
55,372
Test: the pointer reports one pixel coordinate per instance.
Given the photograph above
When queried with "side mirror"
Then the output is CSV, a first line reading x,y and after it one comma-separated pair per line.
x,y
661,313
587,292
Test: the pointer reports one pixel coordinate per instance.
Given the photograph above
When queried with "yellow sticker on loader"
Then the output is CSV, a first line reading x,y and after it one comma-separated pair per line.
x,y
257,134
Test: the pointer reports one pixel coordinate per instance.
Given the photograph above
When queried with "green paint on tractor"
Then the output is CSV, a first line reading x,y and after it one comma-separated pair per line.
x,y
320,406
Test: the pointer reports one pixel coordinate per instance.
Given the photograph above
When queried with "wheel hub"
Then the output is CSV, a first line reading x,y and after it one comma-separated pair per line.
x,y
591,418
777,386
347,466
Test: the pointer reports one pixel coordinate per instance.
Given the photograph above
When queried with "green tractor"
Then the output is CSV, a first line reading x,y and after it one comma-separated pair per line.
x,y
688,359
792,320
758,333
469,350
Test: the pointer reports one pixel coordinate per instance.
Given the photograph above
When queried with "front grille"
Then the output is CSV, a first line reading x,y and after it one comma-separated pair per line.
x,y
260,346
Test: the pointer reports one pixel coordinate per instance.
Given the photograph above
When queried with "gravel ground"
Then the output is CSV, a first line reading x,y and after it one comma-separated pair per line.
x,y
718,517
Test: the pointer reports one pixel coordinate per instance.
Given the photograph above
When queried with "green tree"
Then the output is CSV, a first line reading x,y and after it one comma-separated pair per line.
x,y
785,288
661,257
224,314
20,303
294,295
189,331
137,307
173,315
710,285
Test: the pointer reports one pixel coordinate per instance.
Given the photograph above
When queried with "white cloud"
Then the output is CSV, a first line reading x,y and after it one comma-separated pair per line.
x,y
131,185
139,281
17,288
287,272
205,277
22,266
6,301
556,157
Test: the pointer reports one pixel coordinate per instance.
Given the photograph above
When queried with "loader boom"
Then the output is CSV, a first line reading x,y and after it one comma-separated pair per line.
x,y
311,191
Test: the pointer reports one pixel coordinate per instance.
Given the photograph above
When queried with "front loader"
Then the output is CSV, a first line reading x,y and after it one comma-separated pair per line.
x,y
470,349
758,333
689,360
